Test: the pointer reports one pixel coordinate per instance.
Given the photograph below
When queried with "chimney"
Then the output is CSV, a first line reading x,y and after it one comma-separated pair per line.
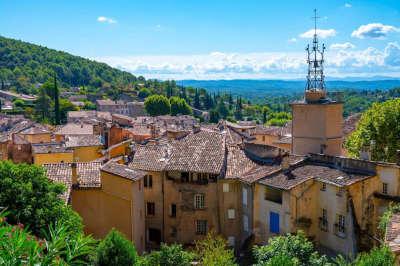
x,y
196,129
285,163
75,181
365,153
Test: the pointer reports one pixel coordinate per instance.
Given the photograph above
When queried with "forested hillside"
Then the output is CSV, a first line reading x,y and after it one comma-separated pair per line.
x,y
24,65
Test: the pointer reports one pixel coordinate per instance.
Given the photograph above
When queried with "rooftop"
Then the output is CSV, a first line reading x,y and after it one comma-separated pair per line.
x,y
60,173
123,171
50,148
75,129
82,141
88,174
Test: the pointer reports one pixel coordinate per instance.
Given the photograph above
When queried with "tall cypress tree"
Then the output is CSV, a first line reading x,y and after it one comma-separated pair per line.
x,y
196,99
56,102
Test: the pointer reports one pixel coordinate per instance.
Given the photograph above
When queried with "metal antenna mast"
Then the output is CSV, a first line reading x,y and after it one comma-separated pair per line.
x,y
315,60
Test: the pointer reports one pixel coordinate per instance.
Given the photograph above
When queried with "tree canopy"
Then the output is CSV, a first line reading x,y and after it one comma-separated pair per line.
x,y
157,105
179,106
379,131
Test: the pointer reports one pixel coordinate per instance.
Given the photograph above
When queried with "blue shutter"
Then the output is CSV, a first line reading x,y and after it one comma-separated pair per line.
x,y
274,222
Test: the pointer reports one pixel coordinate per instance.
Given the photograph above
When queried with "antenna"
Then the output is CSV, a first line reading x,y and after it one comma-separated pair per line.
x,y
315,61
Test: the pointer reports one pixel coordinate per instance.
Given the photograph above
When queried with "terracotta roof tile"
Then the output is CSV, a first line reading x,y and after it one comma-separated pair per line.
x,y
60,173
392,237
82,141
75,129
123,171
150,157
89,174
41,148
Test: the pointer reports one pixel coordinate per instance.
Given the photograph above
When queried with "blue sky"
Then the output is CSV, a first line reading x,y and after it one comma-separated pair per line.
x,y
211,39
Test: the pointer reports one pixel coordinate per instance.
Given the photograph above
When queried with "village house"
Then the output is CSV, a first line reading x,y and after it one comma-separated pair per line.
x,y
44,153
85,148
132,109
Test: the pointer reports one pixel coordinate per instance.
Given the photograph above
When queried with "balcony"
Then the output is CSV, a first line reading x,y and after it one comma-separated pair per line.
x,y
323,224
339,230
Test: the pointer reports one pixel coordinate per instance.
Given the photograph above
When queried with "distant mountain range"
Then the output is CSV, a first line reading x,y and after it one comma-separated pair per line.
x,y
261,88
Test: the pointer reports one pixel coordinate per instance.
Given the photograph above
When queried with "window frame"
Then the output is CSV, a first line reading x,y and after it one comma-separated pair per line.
x,y
199,201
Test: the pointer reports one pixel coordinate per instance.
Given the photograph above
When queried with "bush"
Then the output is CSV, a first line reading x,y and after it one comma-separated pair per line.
x,y
179,106
213,251
115,249
157,105
172,255
381,256
144,93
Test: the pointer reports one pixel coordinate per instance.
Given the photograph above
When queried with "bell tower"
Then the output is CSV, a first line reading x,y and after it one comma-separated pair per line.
x,y
317,120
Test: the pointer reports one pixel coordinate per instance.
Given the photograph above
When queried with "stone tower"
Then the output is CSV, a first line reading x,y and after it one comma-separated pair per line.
x,y
317,120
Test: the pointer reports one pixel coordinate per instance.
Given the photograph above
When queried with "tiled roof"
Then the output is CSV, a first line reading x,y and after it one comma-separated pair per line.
x,y
150,157
303,172
392,237
350,124
199,152
123,171
82,141
50,148
75,129
284,140
89,174
237,162
35,129
60,173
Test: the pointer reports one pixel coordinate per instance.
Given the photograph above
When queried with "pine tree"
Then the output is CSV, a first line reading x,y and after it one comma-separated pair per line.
x,y
56,102
197,100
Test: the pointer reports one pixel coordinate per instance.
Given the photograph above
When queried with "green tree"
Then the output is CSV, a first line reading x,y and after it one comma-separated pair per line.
x,y
172,255
378,129
179,106
196,103
31,199
213,251
144,93
157,105
65,107
42,104
296,247
222,110
18,104
115,249
379,256
214,116
57,114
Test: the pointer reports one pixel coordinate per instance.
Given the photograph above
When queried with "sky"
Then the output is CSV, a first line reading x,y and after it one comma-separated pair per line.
x,y
214,39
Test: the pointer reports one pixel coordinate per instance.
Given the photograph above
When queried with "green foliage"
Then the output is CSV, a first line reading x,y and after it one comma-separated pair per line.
x,y
31,199
222,109
179,106
213,251
19,247
379,129
172,255
144,93
297,248
18,104
115,249
157,105
278,118
386,216
381,256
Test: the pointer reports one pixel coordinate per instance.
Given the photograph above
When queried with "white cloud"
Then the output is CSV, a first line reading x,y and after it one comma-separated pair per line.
x,y
320,32
347,5
102,19
373,30
341,46
292,40
278,65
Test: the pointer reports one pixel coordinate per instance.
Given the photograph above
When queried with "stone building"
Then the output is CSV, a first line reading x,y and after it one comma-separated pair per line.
x,y
133,109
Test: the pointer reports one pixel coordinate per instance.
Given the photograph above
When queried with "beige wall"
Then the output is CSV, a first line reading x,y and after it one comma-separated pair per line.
x,y
87,154
317,124
117,204
37,138
42,158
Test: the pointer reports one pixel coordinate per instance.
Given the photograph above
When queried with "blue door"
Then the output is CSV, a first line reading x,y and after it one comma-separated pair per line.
x,y
274,222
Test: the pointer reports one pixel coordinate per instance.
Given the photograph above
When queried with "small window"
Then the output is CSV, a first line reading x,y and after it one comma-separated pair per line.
x,y
323,187
340,223
140,185
263,138
231,213
184,177
199,201
225,187
148,181
173,210
384,188
201,227
340,191
174,231
245,223
244,196
150,208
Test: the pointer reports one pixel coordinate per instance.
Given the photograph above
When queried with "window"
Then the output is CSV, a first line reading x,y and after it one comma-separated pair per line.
x,y
174,231
323,220
341,223
263,138
140,185
245,223
340,229
384,188
244,196
148,181
272,194
173,210
231,241
199,201
201,227
154,235
323,187
225,187
274,222
150,208
231,213
184,177
339,191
